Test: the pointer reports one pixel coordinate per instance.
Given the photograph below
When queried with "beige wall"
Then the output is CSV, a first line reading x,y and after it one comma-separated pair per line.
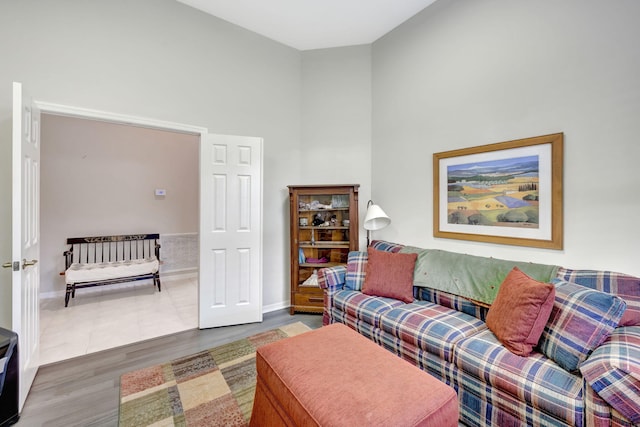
x,y
465,72
99,178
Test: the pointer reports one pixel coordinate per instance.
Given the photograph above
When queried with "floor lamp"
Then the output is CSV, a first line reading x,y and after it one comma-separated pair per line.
x,y
375,219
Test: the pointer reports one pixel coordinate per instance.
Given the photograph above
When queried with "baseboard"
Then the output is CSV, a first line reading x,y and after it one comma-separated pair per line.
x,y
165,276
179,274
274,307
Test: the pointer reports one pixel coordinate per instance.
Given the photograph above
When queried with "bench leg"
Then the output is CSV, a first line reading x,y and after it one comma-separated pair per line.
x,y
156,279
66,296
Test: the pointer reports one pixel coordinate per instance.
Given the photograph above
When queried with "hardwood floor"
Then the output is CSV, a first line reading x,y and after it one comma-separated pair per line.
x,y
84,391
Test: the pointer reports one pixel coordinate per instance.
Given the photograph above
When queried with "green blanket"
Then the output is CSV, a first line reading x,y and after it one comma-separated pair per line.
x,y
474,277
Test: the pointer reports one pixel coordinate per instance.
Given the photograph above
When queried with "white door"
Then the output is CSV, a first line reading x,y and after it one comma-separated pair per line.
x,y
26,236
230,230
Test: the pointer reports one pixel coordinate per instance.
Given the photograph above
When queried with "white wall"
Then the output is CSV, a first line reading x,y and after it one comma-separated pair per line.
x,y
98,178
336,119
464,73
162,60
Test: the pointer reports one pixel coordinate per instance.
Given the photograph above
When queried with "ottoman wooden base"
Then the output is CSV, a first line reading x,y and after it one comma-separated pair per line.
x,y
333,376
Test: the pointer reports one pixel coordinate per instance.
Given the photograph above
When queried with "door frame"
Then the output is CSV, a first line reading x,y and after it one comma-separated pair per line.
x,y
86,113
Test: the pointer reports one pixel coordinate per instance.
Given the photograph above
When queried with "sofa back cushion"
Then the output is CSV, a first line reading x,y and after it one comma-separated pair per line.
x,y
520,312
622,285
452,301
382,245
356,269
475,277
581,319
357,263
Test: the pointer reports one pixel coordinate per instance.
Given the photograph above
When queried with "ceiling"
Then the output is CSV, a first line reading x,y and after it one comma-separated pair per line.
x,y
314,24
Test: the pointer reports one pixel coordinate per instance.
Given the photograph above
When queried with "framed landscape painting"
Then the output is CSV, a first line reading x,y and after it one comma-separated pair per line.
x,y
508,193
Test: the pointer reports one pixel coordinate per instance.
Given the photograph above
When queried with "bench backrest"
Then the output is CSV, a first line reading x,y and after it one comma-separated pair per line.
x,y
111,248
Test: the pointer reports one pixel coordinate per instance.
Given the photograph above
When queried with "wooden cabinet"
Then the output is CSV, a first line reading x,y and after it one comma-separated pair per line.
x,y
324,228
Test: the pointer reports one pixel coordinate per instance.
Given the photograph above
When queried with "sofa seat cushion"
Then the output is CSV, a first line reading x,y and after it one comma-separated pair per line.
x,y
364,307
483,405
443,371
430,327
361,327
613,370
536,379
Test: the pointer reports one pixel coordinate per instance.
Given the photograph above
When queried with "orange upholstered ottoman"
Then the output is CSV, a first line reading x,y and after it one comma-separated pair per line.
x,y
333,376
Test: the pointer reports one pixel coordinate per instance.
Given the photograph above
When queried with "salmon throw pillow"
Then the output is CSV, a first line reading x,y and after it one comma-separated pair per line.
x,y
389,275
520,312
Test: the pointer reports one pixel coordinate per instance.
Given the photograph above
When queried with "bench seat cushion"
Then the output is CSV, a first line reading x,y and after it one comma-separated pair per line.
x,y
91,272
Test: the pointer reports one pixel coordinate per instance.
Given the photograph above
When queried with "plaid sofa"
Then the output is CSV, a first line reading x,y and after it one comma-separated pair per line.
x,y
446,336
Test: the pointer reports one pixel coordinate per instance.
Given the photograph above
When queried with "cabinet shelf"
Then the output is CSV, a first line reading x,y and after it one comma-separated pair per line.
x,y
330,242
323,210
324,227
320,265
327,244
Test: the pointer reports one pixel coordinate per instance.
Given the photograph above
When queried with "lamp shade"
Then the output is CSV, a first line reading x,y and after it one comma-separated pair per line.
x,y
375,218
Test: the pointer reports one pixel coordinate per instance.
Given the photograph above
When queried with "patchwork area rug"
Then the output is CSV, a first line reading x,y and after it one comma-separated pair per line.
x,y
212,388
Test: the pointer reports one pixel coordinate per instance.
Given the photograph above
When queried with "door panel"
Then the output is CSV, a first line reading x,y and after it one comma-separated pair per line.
x,y
230,230
26,235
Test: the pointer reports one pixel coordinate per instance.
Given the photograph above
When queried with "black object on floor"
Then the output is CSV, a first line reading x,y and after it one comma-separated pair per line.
x,y
8,377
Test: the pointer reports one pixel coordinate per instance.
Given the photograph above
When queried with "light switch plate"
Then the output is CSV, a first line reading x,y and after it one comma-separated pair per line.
x,y
161,192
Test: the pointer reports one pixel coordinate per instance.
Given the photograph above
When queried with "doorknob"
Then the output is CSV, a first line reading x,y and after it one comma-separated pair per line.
x,y
15,266
26,263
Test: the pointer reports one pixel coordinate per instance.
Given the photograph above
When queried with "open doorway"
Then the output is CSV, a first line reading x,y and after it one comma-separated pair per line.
x,y
100,178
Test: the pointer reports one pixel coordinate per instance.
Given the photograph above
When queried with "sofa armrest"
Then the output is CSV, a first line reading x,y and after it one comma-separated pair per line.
x,y
331,280
613,371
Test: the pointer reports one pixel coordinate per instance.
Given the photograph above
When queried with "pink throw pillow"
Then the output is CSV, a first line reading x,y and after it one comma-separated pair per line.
x,y
389,275
520,312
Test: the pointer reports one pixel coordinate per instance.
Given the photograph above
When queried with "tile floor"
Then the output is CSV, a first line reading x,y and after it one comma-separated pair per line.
x,y
100,318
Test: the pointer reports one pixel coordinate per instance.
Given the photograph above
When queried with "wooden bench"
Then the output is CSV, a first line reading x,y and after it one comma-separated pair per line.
x,y
105,260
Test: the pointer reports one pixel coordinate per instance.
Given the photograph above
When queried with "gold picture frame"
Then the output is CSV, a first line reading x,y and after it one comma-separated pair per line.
x,y
506,193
